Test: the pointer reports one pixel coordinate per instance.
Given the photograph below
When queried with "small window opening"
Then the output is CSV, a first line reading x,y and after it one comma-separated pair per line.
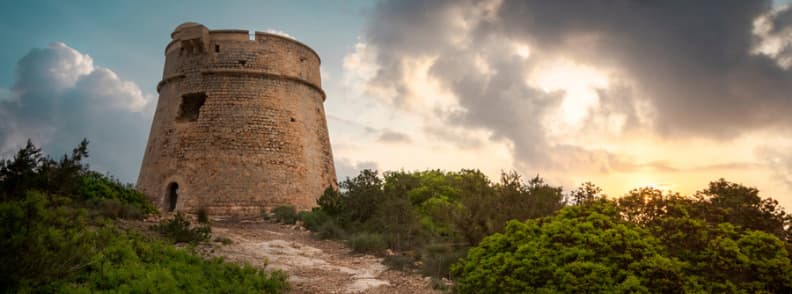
x,y
173,196
190,106
217,48
293,119
242,62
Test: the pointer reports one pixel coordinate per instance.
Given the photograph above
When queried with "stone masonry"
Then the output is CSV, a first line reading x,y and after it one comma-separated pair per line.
x,y
239,127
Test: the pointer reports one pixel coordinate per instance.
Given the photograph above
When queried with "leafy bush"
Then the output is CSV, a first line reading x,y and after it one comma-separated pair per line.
x,y
285,214
330,230
55,237
97,187
133,264
591,249
114,208
41,239
367,243
409,210
49,246
203,215
314,218
436,259
180,230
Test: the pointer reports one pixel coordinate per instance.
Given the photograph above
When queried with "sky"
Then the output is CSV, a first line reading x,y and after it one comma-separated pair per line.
x,y
624,94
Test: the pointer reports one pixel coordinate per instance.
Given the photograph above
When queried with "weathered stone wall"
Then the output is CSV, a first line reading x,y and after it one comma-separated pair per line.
x,y
260,138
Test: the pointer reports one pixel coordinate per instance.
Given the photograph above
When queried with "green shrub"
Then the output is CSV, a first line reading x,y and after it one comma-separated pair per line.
x,y
203,215
130,263
97,187
313,219
367,243
41,240
330,230
585,249
48,246
285,214
179,230
115,208
437,259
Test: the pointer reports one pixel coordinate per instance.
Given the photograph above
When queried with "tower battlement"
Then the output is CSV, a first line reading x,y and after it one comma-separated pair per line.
x,y
239,126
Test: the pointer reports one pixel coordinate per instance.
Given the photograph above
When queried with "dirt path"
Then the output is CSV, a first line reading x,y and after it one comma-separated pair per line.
x,y
313,266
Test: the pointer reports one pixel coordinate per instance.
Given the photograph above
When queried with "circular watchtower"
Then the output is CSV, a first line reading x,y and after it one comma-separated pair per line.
x,y
239,125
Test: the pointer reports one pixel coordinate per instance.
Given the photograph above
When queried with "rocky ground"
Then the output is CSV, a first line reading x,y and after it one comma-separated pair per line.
x,y
313,266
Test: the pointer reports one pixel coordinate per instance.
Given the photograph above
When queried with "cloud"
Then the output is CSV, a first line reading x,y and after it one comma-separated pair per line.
x,y
60,97
677,69
779,160
345,168
389,136
774,35
693,62
280,33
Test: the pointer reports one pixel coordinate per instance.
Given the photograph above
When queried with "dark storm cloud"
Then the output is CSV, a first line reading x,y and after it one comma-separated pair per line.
x,y
691,60
60,97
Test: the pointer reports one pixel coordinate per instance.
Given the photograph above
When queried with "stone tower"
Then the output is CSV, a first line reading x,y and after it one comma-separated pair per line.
x,y
239,126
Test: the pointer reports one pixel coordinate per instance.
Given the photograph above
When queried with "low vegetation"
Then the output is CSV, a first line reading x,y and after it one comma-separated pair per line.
x,y
286,214
58,234
414,212
515,236
180,230
592,248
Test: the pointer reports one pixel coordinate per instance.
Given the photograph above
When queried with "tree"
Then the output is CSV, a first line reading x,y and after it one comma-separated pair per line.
x,y
586,193
29,169
21,172
741,205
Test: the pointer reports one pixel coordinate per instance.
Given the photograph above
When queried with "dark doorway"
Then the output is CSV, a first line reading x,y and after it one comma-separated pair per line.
x,y
173,196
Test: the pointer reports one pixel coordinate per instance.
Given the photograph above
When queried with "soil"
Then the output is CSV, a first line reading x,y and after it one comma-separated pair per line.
x,y
313,266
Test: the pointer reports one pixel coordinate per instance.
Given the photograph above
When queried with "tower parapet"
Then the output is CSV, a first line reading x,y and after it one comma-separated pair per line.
x,y
240,124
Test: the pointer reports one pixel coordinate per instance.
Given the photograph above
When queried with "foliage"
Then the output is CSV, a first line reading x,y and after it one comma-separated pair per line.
x,y
30,170
436,259
313,219
592,248
330,230
409,211
742,206
55,236
585,194
285,214
98,188
179,230
114,208
367,243
49,246
41,238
